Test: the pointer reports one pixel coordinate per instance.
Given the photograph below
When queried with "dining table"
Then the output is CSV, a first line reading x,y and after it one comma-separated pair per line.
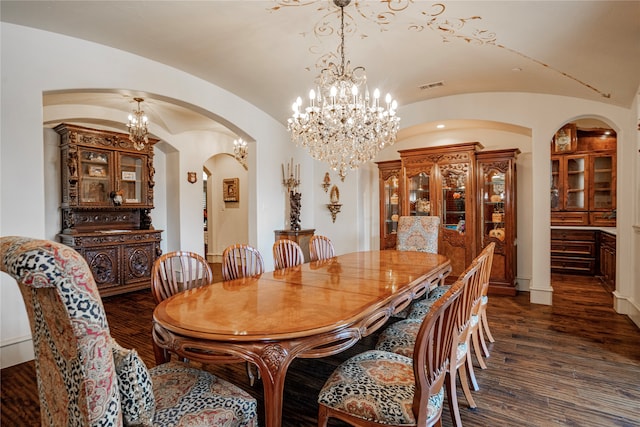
x,y
312,310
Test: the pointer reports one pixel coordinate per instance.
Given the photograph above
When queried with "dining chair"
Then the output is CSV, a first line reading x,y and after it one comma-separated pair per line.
x,y
241,260
175,272
321,247
178,271
287,253
480,310
381,388
84,377
400,336
418,233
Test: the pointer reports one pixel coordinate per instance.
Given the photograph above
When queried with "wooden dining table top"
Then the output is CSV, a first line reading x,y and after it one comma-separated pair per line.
x,y
305,300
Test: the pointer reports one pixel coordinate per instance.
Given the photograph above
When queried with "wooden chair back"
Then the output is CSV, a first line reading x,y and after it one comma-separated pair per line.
x,y
287,253
177,271
241,260
433,350
320,247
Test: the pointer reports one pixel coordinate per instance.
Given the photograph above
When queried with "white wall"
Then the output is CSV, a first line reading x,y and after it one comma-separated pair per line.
x,y
34,62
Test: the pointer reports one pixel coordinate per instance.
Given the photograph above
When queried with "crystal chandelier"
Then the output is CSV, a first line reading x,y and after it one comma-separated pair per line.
x,y
138,130
240,151
342,124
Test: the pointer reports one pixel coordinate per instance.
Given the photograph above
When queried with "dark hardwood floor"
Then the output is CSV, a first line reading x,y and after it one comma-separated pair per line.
x,y
576,363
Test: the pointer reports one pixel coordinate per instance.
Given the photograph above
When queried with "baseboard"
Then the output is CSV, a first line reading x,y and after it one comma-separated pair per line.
x,y
541,296
16,352
623,305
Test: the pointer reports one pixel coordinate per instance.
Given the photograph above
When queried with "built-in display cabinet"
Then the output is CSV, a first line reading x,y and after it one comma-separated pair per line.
x,y
583,177
107,197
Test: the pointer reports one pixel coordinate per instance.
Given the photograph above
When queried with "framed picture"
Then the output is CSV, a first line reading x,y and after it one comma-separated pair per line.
x,y
98,171
231,189
565,140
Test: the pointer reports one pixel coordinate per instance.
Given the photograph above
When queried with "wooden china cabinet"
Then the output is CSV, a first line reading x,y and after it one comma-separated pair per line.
x,y
441,181
107,197
497,215
390,201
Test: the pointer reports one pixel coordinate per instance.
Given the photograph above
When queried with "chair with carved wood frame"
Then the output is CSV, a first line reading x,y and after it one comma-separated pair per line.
x,y
320,248
381,388
287,253
84,377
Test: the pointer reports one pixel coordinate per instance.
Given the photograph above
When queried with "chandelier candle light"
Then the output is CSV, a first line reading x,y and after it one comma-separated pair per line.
x,y
342,124
138,127
240,151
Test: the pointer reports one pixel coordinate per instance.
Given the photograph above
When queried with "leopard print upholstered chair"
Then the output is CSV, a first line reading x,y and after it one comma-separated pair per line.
x,y
84,377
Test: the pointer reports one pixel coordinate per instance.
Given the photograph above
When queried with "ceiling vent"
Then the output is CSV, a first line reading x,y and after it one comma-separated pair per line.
x,y
432,85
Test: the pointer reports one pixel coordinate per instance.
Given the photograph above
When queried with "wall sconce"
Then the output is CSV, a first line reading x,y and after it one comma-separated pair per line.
x,y
334,206
326,182
240,151
192,177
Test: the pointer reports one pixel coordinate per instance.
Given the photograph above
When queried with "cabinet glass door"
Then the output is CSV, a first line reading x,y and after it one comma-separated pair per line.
x,y
603,182
576,172
95,177
556,184
454,208
419,195
493,210
131,178
391,205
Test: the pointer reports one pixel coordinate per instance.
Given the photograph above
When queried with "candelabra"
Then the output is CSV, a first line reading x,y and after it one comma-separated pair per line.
x,y
292,180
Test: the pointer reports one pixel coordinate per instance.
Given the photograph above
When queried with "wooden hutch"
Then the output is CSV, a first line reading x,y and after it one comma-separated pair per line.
x,y
583,202
472,191
107,197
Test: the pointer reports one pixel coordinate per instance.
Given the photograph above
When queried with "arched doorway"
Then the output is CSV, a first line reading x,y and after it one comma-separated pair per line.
x,y
583,201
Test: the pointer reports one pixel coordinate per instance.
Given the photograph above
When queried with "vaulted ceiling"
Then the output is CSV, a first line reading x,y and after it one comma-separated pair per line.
x,y
269,52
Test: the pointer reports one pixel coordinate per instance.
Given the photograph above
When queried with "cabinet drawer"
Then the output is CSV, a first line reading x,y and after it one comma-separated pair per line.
x,y
586,235
573,265
569,218
573,248
602,219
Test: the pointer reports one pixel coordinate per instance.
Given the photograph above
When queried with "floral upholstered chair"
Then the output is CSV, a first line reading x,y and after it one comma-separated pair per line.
x,y
381,388
418,233
84,377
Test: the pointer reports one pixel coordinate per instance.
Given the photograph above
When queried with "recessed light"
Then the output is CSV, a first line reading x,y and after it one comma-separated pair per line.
x,y
440,126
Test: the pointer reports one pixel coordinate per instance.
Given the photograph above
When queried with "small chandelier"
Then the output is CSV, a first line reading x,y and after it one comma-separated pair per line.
x,y
138,130
343,125
240,151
